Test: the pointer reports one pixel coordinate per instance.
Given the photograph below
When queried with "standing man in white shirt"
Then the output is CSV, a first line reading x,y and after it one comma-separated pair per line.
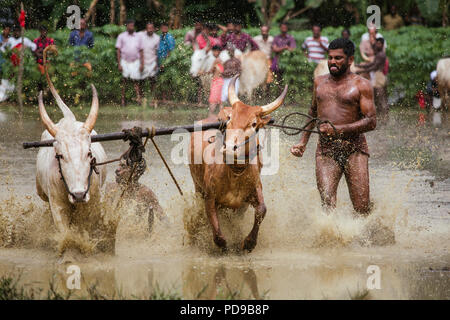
x,y
366,47
315,47
149,51
264,42
16,39
368,40
129,59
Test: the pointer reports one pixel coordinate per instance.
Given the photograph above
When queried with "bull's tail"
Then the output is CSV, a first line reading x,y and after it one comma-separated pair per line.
x,y
64,108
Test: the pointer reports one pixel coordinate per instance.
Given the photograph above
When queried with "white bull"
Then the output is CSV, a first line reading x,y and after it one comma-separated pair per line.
x,y
65,176
254,72
254,68
443,81
202,61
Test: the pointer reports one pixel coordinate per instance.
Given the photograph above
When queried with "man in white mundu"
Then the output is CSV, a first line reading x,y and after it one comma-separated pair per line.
x,y
149,48
130,59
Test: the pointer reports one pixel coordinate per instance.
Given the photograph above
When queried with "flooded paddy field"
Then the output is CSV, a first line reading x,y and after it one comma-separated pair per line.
x,y
302,253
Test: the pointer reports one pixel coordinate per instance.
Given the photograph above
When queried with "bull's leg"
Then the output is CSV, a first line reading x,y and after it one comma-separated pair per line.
x,y
260,212
40,191
211,212
59,216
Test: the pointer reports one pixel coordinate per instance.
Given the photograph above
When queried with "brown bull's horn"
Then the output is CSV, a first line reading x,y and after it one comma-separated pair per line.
x,y
269,108
64,108
48,123
232,96
92,117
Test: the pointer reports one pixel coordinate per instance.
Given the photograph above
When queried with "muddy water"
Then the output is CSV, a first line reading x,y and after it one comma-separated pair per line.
x,y
302,252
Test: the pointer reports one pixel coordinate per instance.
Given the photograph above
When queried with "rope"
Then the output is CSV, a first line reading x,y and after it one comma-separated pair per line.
x,y
311,119
162,158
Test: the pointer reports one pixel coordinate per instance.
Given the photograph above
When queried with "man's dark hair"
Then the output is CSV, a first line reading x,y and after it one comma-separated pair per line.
x,y
214,26
283,24
345,44
16,27
237,22
346,30
6,25
164,24
317,25
42,28
380,39
150,22
128,21
216,47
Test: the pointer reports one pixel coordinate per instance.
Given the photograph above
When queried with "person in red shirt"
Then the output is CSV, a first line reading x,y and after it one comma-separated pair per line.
x,y
42,42
205,40
216,82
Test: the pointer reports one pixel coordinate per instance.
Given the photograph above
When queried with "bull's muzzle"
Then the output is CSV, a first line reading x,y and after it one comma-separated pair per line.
x,y
79,197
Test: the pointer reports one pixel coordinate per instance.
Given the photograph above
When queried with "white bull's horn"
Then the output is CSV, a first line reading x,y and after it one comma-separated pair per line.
x,y
64,108
48,123
232,96
92,117
269,108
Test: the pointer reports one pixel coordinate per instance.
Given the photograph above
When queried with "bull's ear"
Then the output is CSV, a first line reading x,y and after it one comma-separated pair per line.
x,y
224,114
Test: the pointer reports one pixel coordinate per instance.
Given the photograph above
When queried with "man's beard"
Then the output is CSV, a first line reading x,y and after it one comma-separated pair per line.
x,y
340,70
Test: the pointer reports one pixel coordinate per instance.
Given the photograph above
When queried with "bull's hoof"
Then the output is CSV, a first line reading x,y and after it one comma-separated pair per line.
x,y
249,244
220,242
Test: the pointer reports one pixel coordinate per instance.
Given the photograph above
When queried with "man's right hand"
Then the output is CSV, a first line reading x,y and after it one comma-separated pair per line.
x,y
298,149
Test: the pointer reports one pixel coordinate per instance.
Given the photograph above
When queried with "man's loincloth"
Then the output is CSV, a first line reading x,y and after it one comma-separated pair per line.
x,y
340,149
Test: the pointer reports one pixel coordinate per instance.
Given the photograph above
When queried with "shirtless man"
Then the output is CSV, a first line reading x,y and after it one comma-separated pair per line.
x,y
377,77
346,100
144,197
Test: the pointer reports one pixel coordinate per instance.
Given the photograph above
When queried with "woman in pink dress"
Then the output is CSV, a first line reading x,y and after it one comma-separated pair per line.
x,y
215,95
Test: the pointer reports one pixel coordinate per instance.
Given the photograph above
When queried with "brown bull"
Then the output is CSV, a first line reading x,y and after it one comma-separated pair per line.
x,y
232,183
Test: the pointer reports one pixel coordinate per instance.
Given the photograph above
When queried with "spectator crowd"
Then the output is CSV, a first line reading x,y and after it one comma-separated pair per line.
x,y
141,55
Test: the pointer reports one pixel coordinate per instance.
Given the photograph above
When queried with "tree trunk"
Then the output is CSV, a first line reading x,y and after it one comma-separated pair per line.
x,y
274,7
112,11
122,13
179,5
264,12
444,13
91,10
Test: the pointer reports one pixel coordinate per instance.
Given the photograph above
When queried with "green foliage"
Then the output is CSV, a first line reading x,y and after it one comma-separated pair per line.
x,y
431,9
176,77
298,73
413,53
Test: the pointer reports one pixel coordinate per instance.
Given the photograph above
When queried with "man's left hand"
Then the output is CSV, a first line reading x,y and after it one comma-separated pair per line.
x,y
327,129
